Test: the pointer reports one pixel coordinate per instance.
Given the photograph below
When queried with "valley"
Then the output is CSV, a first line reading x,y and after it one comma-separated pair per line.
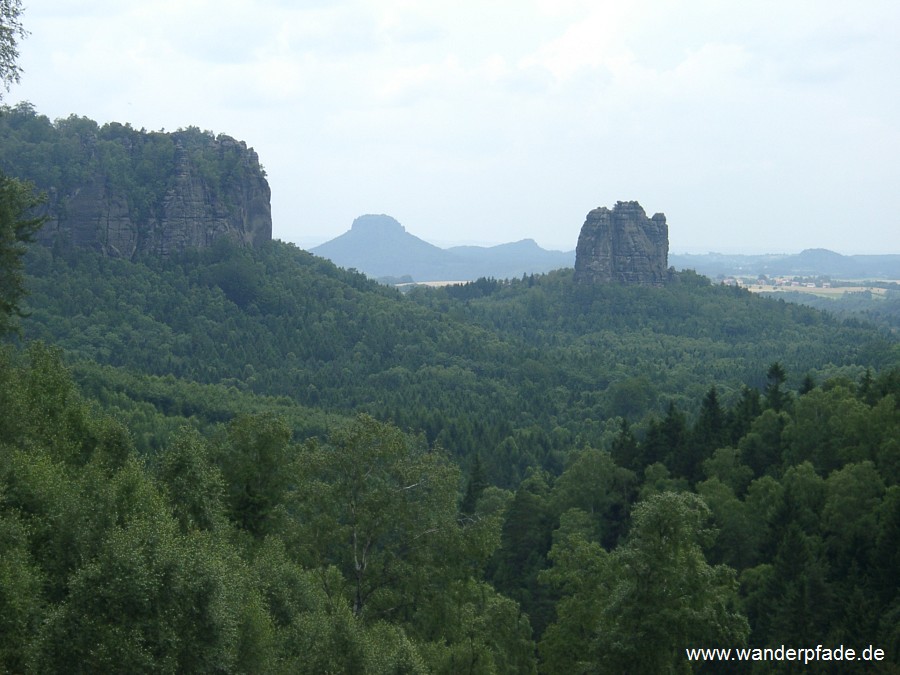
x,y
221,452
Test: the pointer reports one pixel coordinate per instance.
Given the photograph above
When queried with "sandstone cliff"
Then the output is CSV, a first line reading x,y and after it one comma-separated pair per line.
x,y
128,192
193,212
623,245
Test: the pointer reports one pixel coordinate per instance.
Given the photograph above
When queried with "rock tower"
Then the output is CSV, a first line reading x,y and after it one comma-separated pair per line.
x,y
623,245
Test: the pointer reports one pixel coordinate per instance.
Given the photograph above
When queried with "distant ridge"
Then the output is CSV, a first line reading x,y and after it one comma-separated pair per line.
x,y
380,247
810,262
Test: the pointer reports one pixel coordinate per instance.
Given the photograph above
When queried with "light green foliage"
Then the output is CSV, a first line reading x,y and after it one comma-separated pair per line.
x,y
337,641
578,572
824,429
655,594
762,447
195,485
376,513
381,509
153,600
739,534
595,484
658,479
477,630
726,465
21,602
97,575
316,630
11,31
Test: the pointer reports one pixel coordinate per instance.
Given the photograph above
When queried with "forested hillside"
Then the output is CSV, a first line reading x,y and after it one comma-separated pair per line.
x,y
551,477
774,521
245,459
881,310
520,371
221,454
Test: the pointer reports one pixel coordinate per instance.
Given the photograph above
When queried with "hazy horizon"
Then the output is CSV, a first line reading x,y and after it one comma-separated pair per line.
x,y
312,241
764,126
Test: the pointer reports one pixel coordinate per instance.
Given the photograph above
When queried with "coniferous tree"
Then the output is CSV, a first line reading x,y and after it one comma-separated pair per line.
x,y
807,385
475,486
625,449
776,398
665,441
708,433
741,416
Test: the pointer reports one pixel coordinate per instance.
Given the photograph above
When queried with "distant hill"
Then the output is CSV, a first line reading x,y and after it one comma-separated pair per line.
x,y
811,262
380,247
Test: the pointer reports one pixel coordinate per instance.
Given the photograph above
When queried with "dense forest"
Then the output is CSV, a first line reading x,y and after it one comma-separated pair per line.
x,y
242,460
249,460
519,370
864,305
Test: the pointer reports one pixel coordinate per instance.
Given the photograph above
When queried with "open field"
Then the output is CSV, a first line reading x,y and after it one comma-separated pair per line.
x,y
433,284
834,292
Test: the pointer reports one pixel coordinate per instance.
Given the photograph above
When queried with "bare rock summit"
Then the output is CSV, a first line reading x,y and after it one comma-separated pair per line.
x,y
624,246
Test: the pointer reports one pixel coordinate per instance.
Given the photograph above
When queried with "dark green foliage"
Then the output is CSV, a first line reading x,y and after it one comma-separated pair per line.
x,y
248,552
625,449
775,397
525,542
17,199
742,414
107,566
667,442
238,516
475,485
518,374
253,458
710,431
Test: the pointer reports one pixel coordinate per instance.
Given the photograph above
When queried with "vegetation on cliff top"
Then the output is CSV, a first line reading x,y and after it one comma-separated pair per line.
x,y
64,155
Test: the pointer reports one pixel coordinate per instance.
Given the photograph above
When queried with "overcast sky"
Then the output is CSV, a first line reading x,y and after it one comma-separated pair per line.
x,y
764,126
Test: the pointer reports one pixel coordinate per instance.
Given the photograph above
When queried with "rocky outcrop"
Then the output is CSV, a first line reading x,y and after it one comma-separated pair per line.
x,y
623,245
207,188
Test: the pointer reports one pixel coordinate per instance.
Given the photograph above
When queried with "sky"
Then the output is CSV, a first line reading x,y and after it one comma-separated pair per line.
x,y
765,126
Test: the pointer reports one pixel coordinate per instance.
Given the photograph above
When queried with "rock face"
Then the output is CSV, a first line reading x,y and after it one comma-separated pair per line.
x,y
217,191
623,246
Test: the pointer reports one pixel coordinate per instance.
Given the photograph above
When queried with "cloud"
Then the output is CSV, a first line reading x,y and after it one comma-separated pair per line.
x,y
514,114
